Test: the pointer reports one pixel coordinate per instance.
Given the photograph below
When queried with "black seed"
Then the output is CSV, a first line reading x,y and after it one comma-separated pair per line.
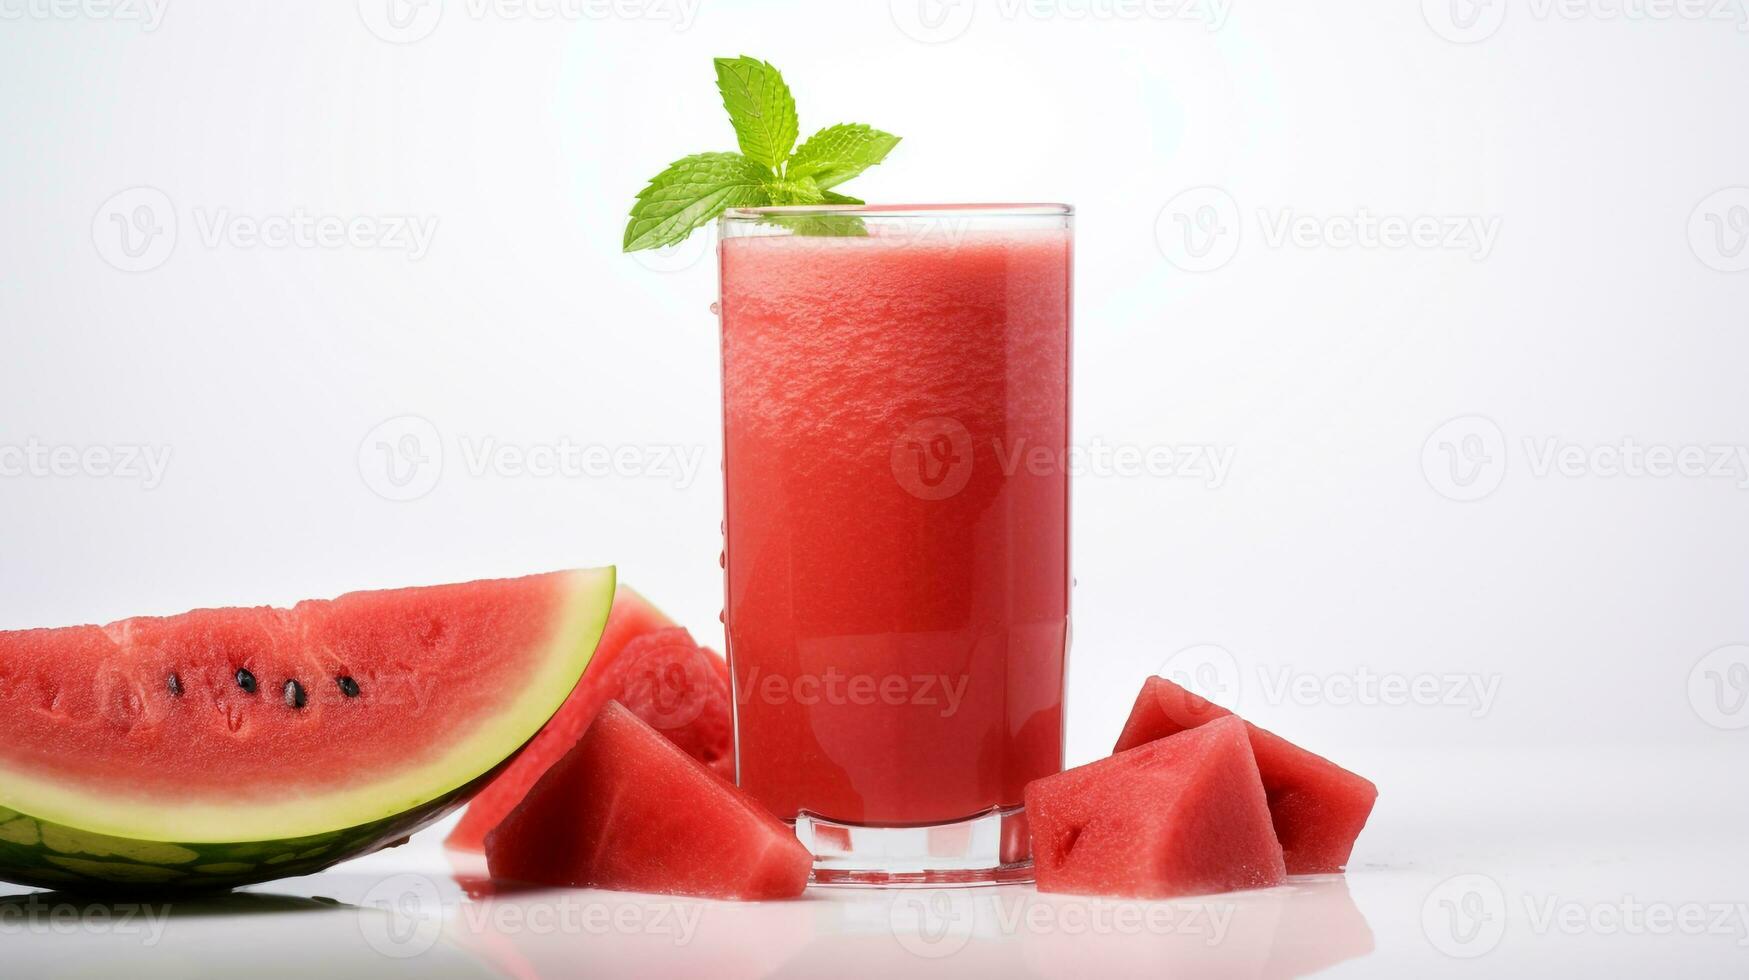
x,y
294,695
348,687
175,685
245,680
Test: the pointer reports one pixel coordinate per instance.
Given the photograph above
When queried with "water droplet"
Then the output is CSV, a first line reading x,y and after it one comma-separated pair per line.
x,y
716,309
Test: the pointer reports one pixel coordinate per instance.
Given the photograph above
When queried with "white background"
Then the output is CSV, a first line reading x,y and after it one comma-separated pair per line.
x,y
1608,305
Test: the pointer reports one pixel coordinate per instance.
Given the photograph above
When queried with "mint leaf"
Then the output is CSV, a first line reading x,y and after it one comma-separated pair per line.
x,y
691,192
833,197
837,153
820,225
803,191
760,107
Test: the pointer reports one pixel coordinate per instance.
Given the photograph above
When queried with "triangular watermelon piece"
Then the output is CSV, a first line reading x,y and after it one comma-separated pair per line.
x,y
1184,815
650,665
1317,806
627,810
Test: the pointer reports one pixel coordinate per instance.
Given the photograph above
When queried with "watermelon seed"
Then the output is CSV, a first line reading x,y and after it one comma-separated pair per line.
x,y
348,687
294,695
245,680
175,685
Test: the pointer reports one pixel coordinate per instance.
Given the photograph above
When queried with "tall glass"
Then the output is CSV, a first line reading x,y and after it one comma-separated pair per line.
x,y
896,424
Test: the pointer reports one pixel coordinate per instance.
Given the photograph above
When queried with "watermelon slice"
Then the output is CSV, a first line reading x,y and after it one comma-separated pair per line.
x,y
1318,807
648,664
1184,815
627,810
228,746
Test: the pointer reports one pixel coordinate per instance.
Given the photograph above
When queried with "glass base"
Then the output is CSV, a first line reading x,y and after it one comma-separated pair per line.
x,y
989,849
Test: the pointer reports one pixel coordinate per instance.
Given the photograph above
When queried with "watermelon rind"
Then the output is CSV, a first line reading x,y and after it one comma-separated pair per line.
x,y
53,837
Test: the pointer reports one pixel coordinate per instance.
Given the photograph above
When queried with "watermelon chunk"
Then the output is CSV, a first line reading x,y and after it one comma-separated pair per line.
x,y
1317,806
1184,815
649,665
228,746
627,810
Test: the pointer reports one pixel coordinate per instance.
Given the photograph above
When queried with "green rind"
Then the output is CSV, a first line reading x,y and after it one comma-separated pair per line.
x,y
48,855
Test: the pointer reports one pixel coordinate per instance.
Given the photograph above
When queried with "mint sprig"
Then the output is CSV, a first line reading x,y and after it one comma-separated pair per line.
x,y
769,170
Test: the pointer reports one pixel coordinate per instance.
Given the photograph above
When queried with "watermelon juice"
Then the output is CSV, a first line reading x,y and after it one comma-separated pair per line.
x,y
896,416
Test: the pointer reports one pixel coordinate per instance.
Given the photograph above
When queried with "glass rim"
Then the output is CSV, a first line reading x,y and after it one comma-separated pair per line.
x,y
1037,210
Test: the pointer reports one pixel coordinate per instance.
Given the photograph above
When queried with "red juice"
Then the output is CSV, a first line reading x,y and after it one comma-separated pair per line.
x,y
896,422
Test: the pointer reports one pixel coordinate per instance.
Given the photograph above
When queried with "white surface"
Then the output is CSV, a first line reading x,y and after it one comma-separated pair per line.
x,y
1547,650
1556,873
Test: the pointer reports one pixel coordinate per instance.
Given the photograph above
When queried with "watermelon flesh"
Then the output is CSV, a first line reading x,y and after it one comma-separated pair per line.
x,y
627,810
226,746
1184,815
649,665
1317,806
